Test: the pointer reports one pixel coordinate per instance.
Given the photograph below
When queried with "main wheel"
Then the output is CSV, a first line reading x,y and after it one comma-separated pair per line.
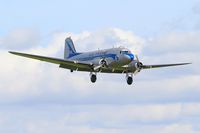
x,y
93,78
129,80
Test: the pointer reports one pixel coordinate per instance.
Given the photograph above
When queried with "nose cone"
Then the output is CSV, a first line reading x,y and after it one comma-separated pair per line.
x,y
130,57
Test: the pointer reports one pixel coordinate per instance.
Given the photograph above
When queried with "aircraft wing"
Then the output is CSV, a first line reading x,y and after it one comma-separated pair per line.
x,y
82,66
162,65
70,63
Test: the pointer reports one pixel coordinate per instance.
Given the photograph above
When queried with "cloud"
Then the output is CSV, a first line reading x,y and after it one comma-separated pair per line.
x,y
19,82
196,8
100,118
108,38
187,20
40,97
174,42
20,39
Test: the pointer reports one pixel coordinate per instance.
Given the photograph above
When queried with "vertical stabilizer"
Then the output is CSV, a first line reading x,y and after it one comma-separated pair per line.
x,y
69,48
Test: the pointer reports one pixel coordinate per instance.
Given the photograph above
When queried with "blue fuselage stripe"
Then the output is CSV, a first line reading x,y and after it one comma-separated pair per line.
x,y
113,56
131,56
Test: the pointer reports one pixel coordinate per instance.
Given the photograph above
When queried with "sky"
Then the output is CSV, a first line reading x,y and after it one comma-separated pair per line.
x,y
41,97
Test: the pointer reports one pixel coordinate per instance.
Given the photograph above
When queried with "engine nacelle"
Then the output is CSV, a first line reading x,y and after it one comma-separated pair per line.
x,y
103,62
137,65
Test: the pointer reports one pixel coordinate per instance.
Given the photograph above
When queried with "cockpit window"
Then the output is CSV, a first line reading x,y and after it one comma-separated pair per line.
x,y
124,52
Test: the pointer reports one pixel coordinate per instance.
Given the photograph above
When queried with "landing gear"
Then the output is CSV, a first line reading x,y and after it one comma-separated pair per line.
x,y
93,77
129,78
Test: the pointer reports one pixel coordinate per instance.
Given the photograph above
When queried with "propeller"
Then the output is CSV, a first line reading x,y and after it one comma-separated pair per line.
x,y
139,64
102,63
137,58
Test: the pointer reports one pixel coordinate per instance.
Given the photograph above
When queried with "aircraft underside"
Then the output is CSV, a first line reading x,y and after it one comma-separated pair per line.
x,y
93,74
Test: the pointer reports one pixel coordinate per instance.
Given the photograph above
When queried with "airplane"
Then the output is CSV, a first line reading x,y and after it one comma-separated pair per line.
x,y
114,60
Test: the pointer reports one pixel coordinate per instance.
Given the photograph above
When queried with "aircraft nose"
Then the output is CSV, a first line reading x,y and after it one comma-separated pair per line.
x,y
130,56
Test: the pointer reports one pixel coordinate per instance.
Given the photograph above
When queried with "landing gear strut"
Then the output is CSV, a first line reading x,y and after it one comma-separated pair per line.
x,y
93,77
129,78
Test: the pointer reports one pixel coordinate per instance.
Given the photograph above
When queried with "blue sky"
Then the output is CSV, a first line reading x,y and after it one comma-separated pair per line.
x,y
77,16
40,97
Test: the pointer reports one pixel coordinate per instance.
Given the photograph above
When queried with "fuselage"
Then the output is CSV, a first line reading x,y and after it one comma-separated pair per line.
x,y
114,57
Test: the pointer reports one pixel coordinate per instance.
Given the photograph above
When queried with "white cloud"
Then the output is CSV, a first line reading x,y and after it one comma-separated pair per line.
x,y
196,8
23,75
26,79
113,106
178,128
108,38
191,109
153,118
20,39
175,42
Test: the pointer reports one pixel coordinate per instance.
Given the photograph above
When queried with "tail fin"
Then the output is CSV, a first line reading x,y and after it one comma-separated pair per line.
x,y
69,48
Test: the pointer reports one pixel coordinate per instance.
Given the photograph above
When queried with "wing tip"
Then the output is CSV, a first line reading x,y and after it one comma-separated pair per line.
x,y
11,52
187,63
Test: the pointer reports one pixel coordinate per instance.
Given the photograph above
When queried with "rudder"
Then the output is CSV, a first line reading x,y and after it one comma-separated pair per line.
x,y
69,48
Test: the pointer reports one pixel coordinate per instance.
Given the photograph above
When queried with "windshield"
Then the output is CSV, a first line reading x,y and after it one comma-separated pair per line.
x,y
124,52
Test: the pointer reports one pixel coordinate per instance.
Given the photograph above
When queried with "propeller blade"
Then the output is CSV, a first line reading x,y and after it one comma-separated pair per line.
x,y
137,58
97,67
